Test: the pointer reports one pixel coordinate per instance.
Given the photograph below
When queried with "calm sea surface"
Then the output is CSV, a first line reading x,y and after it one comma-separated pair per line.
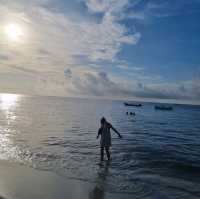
x,y
159,155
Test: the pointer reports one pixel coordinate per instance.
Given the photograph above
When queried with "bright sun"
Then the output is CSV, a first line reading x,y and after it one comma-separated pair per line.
x,y
13,31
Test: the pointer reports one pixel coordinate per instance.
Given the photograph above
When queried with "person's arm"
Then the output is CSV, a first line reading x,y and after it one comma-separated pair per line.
x,y
99,133
116,131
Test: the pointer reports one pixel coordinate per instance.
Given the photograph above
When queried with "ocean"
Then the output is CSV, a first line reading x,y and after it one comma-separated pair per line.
x,y
159,155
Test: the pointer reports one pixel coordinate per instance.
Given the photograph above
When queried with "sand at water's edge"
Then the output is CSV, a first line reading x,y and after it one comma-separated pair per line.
x,y
21,182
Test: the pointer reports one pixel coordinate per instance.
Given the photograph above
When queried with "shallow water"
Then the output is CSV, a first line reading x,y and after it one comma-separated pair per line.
x,y
159,155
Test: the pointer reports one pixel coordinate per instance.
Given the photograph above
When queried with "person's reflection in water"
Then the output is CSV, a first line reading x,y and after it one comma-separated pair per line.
x,y
99,190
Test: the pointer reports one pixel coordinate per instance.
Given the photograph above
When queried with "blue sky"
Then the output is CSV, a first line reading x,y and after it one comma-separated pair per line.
x,y
131,49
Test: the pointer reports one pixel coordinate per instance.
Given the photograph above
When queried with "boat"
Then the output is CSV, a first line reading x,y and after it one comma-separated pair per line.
x,y
130,104
165,108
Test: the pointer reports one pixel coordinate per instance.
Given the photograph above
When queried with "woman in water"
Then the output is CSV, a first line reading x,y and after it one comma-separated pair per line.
x,y
105,142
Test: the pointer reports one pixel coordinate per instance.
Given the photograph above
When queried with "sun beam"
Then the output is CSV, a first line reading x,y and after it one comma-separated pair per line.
x,y
13,31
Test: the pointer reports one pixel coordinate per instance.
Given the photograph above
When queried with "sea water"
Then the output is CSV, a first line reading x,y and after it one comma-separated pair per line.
x,y
159,155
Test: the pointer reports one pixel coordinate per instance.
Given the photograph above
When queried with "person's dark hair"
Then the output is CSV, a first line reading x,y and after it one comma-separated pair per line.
x,y
103,120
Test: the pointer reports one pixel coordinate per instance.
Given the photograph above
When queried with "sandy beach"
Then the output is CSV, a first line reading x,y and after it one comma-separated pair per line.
x,y
21,182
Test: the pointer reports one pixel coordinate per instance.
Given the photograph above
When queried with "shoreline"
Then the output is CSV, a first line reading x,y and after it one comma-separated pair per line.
x,y
21,182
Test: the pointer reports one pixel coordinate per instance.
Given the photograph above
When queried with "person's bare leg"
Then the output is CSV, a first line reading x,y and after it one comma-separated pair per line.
x,y
102,153
108,153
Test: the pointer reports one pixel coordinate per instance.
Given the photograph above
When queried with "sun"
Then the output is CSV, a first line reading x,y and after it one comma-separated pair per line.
x,y
13,31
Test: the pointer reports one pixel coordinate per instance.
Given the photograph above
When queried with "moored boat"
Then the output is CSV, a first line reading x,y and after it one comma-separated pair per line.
x,y
130,104
165,108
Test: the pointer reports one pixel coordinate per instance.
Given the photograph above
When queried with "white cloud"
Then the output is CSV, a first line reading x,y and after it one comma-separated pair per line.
x,y
107,6
62,39
97,5
52,41
98,83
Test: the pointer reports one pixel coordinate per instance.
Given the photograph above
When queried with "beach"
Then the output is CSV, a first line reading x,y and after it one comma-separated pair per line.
x,y
21,182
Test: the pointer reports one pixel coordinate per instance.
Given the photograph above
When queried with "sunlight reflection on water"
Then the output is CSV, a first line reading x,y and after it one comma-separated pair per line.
x,y
8,101
8,104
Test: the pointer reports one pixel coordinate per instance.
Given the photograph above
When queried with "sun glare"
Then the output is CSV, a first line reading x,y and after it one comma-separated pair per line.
x,y
13,31
7,101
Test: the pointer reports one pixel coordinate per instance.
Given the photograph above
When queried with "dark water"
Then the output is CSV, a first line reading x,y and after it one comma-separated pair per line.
x,y
159,155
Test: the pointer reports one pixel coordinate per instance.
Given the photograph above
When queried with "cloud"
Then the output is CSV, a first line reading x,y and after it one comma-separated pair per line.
x,y
14,82
68,73
146,11
4,57
181,90
52,38
52,41
99,83
97,5
113,7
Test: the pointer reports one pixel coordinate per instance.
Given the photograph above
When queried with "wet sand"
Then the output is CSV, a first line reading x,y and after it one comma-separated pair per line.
x,y
21,182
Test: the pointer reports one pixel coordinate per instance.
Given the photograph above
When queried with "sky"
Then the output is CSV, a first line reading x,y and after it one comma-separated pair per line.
x,y
120,49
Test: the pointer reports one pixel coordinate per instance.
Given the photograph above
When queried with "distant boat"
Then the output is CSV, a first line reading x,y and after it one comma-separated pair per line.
x,y
165,108
130,104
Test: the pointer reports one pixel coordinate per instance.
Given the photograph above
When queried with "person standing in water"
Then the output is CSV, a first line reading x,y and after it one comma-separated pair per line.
x,y
105,142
